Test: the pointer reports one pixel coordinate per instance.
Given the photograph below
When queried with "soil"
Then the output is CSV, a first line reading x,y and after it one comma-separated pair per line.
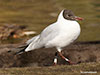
x,y
79,52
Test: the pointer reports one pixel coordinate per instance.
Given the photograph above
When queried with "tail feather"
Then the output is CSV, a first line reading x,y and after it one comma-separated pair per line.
x,y
22,50
19,50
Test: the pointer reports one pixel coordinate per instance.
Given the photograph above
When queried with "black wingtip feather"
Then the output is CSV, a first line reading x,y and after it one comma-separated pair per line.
x,y
21,51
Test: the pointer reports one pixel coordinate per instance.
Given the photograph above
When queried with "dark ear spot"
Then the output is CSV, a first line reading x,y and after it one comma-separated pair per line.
x,y
68,14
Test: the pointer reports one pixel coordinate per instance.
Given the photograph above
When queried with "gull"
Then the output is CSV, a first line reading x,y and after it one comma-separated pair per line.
x,y
59,35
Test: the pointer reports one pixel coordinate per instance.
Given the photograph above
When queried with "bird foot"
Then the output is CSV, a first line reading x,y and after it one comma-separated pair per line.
x,y
54,64
72,63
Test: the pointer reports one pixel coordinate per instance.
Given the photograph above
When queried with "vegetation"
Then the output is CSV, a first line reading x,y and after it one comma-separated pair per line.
x,y
37,15
55,70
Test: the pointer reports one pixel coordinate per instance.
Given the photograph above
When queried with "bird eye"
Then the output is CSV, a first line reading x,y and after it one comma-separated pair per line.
x,y
69,15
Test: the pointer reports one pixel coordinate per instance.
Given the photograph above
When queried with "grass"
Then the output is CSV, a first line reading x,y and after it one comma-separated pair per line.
x,y
37,15
89,10
28,12
54,70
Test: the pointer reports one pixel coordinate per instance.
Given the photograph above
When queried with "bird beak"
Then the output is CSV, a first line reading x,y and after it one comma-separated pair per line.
x,y
78,18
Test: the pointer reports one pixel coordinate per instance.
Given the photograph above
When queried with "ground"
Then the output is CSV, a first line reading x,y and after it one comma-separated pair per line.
x,y
85,54
81,69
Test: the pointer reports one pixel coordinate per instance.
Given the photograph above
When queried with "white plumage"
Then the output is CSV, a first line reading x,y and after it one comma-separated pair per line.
x,y
59,34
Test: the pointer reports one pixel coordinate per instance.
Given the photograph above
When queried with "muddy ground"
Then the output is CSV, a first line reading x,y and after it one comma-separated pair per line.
x,y
79,52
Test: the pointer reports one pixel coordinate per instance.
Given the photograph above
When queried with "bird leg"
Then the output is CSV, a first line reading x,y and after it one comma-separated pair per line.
x,y
55,59
65,58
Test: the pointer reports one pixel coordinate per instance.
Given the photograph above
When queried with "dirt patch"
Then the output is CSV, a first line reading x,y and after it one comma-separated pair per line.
x,y
79,52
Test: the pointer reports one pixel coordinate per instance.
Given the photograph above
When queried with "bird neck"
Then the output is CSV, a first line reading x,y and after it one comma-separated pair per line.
x,y
60,17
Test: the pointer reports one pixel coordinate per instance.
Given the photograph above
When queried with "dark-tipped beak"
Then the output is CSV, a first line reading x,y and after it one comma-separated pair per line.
x,y
78,18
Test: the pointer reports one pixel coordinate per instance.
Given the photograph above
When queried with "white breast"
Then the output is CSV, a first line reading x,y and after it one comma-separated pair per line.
x,y
69,31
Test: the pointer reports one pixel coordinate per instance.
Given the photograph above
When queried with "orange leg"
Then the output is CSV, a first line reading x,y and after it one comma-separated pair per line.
x,y
65,58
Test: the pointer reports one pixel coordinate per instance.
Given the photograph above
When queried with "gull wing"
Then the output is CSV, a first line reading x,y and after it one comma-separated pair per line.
x,y
46,35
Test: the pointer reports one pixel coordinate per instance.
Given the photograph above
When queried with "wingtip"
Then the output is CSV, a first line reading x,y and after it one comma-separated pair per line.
x,y
20,52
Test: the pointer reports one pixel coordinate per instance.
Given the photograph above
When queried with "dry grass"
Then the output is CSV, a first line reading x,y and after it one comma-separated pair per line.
x,y
54,70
